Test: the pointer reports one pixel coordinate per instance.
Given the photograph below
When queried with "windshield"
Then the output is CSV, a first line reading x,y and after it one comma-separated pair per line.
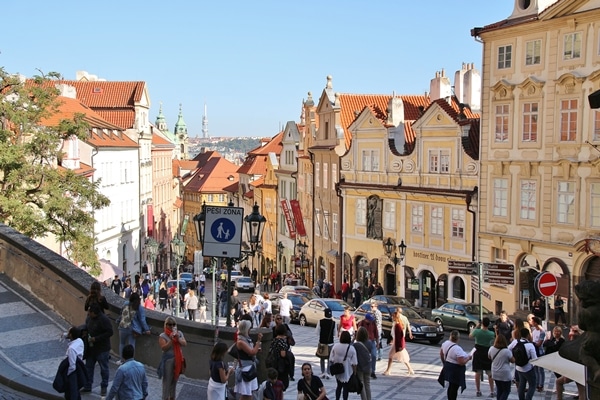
x,y
244,279
474,309
335,305
410,313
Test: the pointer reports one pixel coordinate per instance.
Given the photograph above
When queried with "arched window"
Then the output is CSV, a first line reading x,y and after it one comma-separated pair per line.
x,y
458,288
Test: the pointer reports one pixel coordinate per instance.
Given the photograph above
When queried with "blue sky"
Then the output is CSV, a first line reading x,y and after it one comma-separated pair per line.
x,y
251,62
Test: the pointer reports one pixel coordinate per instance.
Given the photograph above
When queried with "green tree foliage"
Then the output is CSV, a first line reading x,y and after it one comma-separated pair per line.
x,y
36,196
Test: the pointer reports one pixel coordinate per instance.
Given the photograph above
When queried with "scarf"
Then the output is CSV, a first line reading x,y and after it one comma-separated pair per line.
x,y
177,352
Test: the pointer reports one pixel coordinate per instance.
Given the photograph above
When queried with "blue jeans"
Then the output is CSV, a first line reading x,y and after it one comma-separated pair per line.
x,y
529,379
373,349
125,338
90,363
323,370
502,389
540,376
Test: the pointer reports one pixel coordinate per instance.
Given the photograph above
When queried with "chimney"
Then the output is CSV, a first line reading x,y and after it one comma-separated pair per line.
x,y
395,110
472,88
67,90
440,87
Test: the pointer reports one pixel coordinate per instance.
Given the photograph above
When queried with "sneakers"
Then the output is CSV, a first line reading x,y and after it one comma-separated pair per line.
x,y
373,375
492,394
478,394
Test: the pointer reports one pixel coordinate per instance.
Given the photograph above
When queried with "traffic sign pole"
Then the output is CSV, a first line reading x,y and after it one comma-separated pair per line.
x,y
480,273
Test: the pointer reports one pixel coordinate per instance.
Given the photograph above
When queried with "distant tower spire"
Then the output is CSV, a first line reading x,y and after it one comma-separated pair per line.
x,y
205,124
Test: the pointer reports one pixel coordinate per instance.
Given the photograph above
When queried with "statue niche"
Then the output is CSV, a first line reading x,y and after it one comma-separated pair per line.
x,y
374,215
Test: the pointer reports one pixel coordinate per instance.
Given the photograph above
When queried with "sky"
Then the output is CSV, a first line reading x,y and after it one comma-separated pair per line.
x,y
251,62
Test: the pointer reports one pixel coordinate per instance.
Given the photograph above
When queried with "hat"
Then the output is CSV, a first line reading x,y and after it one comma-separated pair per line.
x,y
369,317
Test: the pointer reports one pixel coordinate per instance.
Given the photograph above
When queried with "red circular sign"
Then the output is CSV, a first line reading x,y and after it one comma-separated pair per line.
x,y
547,284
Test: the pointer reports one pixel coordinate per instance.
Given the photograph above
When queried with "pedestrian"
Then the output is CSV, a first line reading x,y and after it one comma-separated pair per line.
x,y
554,344
223,303
99,330
344,353
149,302
127,289
379,322
273,387
501,369
202,303
347,323
267,321
163,295
325,329
172,363
559,310
310,386
117,285
454,359
285,308
75,357
356,296
373,342
364,355
96,296
538,336
219,373
504,326
484,338
130,379
538,310
247,351
267,305
398,345
345,290
279,352
191,304
561,381
526,372
132,322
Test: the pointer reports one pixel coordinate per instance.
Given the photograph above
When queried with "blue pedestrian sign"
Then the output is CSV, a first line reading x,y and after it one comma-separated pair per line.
x,y
223,231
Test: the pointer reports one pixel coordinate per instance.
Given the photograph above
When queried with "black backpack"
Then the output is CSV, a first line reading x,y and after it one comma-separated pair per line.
x,y
520,354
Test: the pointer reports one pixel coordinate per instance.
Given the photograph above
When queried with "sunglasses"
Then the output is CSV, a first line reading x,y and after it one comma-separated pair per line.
x,y
171,324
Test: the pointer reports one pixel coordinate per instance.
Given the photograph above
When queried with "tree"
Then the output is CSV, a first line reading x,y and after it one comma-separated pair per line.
x,y
37,196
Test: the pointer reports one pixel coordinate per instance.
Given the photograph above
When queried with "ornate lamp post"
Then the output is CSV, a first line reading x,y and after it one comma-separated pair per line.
x,y
280,254
302,248
389,247
152,249
178,248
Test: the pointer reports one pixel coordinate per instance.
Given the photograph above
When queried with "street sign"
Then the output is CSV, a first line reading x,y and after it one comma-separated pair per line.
x,y
461,267
475,287
223,232
500,274
546,284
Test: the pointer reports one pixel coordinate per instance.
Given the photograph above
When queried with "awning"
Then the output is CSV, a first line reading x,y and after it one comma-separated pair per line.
x,y
570,369
109,270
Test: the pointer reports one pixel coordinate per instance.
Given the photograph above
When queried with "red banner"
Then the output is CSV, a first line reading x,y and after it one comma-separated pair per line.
x,y
298,217
288,218
150,222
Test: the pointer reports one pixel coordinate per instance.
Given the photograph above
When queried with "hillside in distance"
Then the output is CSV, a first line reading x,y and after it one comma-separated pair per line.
x,y
233,149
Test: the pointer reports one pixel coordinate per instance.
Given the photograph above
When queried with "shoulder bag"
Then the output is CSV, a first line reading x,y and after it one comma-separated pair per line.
x,y
338,368
323,348
442,377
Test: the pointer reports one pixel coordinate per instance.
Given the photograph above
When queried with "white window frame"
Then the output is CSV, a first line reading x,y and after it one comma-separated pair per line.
x,y
416,218
596,134
530,122
370,160
500,197
533,52
317,222
325,175
458,223
317,175
334,227
334,176
439,161
389,214
528,199
568,120
572,46
502,123
565,202
360,211
437,221
504,56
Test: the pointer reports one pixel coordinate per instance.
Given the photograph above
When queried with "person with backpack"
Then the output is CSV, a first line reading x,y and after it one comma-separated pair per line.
x,y
523,351
501,370
132,322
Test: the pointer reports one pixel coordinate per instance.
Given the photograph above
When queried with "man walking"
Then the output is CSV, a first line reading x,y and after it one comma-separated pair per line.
x,y
99,330
117,285
285,308
130,380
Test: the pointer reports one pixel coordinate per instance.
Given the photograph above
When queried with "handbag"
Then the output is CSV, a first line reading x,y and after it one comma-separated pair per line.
x,y
354,384
338,367
322,350
251,374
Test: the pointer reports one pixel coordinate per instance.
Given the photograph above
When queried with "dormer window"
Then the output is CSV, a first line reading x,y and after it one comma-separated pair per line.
x,y
524,4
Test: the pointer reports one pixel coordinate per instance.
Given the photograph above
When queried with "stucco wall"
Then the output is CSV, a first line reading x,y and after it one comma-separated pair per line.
x,y
64,287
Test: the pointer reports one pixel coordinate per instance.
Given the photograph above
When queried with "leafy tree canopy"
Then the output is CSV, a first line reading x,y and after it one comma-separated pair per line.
x,y
37,197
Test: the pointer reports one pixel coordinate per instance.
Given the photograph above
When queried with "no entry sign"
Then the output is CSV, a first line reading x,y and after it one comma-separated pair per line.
x,y
547,284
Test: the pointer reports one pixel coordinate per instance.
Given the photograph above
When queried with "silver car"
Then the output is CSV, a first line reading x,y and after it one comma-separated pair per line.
x,y
314,310
244,284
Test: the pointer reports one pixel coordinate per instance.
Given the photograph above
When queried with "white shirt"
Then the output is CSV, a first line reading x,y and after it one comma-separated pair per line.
x,y
74,350
530,348
285,305
267,307
452,352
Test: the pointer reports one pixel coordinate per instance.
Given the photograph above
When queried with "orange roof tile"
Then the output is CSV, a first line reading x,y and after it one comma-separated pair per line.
x,y
256,160
217,174
159,140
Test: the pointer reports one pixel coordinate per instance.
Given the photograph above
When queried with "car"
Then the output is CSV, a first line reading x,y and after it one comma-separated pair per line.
x,y
182,285
298,289
464,317
314,310
188,277
244,284
421,328
404,302
234,275
297,299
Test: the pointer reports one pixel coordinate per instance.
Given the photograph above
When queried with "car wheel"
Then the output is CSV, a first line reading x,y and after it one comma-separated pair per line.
x,y
470,326
435,341
302,320
439,322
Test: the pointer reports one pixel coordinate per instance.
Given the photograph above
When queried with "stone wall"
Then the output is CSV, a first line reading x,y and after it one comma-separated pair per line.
x,y
64,287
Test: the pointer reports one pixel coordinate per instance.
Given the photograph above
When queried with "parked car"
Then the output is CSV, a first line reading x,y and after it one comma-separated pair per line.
x,y
421,328
235,275
298,289
459,316
244,284
404,302
297,299
188,277
314,310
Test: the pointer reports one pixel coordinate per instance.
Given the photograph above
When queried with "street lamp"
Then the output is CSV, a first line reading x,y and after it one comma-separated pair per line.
x,y
178,248
152,249
302,248
389,247
280,254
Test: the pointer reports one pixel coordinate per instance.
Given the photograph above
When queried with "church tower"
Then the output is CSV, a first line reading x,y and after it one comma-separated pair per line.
x,y
181,136
205,134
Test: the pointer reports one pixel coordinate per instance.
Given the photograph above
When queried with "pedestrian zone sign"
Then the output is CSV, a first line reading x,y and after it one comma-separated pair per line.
x,y
223,232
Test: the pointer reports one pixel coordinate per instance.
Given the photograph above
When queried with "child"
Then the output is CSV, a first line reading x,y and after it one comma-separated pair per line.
x,y
219,373
274,387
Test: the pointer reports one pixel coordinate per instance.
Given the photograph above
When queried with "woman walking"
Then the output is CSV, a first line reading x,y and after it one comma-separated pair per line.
x,y
501,370
363,354
344,353
398,346
247,351
347,323
219,373
132,322
172,362
325,329
280,350
454,359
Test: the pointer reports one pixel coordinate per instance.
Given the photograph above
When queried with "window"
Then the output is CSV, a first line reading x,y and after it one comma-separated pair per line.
x,y
334,227
318,222
389,215
317,174
325,175
528,199
504,56
572,46
458,288
326,225
566,203
596,136
417,218
221,197
500,207
530,120
533,50
437,221
360,212
502,117
595,204
458,223
500,255
439,161
568,120
370,160
210,198
333,174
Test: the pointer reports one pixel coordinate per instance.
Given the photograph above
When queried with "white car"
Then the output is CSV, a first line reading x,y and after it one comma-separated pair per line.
x,y
314,310
244,284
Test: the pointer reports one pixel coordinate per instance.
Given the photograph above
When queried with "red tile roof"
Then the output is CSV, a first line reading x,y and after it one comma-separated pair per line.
x,y
256,160
159,140
217,174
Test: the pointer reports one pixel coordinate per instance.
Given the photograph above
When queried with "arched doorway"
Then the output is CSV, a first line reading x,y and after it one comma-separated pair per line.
x,y
390,280
427,287
529,268
560,270
441,290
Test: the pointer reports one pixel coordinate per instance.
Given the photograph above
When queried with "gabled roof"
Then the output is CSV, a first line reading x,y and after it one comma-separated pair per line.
x,y
217,174
256,160
161,141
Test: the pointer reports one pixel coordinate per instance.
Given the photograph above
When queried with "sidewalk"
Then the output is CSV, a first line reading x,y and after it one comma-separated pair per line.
x,y
30,352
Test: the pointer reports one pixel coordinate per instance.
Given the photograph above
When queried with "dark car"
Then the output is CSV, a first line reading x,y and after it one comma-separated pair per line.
x,y
421,328
305,290
297,299
464,317
404,302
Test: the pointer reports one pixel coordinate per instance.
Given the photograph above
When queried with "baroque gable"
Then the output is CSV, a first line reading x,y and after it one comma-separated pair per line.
x,y
503,90
531,87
